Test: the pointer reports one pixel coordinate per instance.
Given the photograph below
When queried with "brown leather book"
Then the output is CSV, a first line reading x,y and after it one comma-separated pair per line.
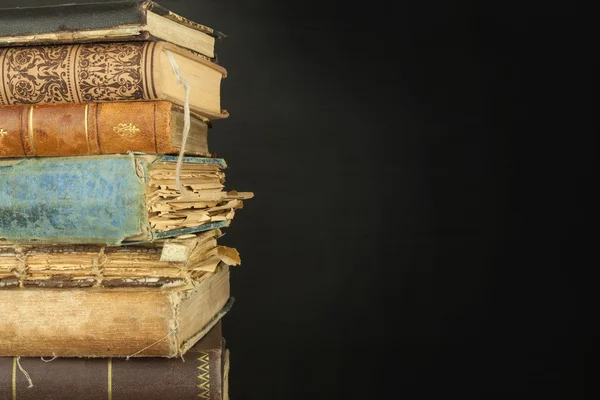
x,y
120,322
109,72
153,127
201,374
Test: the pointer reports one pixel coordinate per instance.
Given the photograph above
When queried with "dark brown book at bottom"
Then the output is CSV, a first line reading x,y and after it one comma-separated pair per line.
x,y
199,375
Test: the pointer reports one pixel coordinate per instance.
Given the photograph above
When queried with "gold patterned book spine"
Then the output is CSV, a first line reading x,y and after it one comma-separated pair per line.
x,y
83,73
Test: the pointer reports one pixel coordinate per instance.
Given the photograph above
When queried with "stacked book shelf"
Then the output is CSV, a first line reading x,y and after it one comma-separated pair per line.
x,y
112,277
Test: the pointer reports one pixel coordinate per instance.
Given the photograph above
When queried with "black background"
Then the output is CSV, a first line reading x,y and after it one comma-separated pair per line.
x,y
413,214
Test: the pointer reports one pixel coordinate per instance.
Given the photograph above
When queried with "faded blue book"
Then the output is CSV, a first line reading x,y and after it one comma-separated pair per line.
x,y
112,199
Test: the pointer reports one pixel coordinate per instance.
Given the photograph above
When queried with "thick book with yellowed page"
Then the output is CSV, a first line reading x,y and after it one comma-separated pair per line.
x,y
109,72
119,322
175,262
112,199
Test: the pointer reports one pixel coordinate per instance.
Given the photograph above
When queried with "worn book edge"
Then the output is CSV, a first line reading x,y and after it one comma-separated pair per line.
x,y
188,344
141,162
142,22
144,5
165,324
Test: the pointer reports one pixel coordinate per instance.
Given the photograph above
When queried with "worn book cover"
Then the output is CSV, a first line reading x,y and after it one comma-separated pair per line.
x,y
109,72
112,322
153,127
103,21
112,199
201,374
176,262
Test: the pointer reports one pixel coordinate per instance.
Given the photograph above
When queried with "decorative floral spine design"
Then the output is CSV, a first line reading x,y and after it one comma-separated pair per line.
x,y
84,73
110,72
38,75
126,129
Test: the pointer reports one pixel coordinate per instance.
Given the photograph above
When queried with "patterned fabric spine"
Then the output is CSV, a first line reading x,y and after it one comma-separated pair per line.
x,y
83,73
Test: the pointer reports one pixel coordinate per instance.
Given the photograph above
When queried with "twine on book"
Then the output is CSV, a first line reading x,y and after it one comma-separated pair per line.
x,y
98,267
50,360
151,345
21,270
186,121
24,372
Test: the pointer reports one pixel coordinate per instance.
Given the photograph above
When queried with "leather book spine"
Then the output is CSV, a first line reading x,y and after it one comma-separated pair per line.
x,y
197,376
78,73
86,129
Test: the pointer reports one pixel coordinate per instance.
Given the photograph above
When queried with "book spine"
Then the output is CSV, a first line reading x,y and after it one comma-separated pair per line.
x,y
84,200
198,377
86,129
88,322
80,73
70,17
123,323
94,199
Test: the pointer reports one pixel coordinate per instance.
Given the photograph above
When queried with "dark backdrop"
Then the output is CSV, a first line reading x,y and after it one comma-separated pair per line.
x,y
393,247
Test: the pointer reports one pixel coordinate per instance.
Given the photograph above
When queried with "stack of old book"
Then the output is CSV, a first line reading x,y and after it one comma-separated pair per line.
x,y
111,205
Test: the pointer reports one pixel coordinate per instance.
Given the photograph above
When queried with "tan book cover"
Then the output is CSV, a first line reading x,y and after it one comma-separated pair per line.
x,y
153,127
101,322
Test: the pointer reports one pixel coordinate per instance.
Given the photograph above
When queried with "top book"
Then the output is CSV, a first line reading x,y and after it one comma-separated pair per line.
x,y
108,21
